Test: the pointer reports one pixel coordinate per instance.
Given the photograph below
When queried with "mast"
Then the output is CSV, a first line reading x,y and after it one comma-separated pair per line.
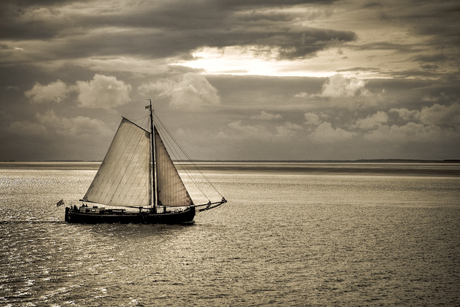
x,y
152,153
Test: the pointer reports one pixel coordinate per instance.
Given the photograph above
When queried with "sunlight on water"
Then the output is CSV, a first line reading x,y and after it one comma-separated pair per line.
x,y
284,239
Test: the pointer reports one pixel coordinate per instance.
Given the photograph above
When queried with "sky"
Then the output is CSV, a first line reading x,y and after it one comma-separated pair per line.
x,y
232,79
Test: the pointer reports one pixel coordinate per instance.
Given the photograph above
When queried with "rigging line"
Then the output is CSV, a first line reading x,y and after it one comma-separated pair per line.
x,y
143,118
170,139
179,186
144,122
159,121
193,164
177,156
184,168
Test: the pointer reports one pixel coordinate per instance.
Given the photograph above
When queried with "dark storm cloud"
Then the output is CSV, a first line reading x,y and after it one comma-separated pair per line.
x,y
439,57
79,29
437,19
421,31
360,69
31,19
388,46
269,3
300,43
162,30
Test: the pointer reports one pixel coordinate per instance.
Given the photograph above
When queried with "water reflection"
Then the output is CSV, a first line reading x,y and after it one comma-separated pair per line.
x,y
283,239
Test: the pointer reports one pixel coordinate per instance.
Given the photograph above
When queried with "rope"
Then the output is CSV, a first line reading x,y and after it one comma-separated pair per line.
x,y
176,155
186,155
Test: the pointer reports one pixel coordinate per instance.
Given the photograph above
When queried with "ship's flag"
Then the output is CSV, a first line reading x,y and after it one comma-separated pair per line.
x,y
60,203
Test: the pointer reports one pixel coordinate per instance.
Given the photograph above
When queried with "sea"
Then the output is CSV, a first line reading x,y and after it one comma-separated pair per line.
x,y
291,234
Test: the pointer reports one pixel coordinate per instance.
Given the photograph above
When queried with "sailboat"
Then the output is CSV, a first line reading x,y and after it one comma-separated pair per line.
x,y
138,182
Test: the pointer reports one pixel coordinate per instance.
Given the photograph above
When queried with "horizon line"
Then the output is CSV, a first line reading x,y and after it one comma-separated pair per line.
x,y
258,160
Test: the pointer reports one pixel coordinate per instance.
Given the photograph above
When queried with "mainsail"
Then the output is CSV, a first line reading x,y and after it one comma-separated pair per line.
x,y
170,188
124,176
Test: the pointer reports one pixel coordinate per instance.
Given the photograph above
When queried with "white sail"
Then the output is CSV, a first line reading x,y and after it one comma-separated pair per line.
x,y
170,188
124,176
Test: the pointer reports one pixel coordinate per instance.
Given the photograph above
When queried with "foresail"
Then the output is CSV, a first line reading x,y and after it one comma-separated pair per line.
x,y
170,188
124,176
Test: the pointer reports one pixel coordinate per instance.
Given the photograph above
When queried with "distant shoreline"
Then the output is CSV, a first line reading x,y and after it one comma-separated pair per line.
x,y
265,161
450,168
57,165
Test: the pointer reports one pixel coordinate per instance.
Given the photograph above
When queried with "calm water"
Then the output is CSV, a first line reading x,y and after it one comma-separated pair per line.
x,y
287,237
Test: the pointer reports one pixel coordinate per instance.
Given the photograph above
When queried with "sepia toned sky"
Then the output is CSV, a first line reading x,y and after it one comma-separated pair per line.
x,y
233,79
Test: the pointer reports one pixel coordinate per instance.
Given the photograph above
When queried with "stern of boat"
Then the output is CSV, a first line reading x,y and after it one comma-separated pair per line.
x,y
67,217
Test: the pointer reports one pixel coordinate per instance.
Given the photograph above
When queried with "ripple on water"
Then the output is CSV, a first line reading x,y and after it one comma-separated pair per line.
x,y
289,240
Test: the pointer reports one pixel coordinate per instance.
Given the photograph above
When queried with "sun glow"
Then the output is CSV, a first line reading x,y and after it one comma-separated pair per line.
x,y
265,62
252,61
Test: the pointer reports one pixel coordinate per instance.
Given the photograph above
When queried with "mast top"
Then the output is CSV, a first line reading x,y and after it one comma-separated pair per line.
x,y
149,107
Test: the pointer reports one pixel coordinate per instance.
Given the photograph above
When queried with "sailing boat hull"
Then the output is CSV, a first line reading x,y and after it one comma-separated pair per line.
x,y
183,217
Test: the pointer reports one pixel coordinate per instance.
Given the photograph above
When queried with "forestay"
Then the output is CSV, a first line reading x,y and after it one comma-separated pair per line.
x,y
170,188
124,176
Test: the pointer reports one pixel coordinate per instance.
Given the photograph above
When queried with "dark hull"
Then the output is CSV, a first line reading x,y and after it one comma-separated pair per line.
x,y
73,216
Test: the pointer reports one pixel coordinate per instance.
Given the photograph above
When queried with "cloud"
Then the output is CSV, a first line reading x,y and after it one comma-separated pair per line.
x,y
49,136
437,21
348,93
266,116
53,92
325,133
341,91
429,98
301,95
339,86
431,58
283,132
409,133
441,115
78,126
406,114
165,29
288,130
306,42
105,92
49,124
372,121
247,131
311,119
191,91
26,128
